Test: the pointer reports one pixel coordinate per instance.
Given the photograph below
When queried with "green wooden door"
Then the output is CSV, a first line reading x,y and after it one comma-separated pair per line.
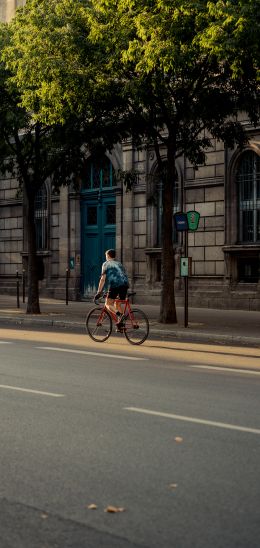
x,y
98,233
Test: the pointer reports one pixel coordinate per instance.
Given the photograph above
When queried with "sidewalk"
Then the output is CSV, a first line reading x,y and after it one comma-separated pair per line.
x,y
237,327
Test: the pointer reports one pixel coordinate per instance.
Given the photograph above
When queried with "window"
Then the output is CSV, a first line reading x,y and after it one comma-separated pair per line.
x,y
110,214
99,174
92,215
248,270
248,181
41,219
175,208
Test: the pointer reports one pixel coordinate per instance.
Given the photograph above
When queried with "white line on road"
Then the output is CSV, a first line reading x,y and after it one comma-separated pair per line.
x,y
51,394
97,354
191,419
224,369
5,342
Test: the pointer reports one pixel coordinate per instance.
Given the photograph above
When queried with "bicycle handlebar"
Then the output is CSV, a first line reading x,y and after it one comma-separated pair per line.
x,y
96,301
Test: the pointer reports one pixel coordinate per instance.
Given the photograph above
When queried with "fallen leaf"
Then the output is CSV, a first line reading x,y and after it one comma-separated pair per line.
x,y
114,509
173,485
44,516
178,439
92,507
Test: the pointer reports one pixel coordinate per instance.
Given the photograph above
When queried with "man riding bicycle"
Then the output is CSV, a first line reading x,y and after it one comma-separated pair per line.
x,y
113,273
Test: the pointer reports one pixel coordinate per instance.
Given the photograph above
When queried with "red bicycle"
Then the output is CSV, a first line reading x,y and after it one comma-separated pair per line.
x,y
99,322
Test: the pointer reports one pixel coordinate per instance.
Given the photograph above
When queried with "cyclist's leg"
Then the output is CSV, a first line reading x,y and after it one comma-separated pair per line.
x,y
122,291
110,300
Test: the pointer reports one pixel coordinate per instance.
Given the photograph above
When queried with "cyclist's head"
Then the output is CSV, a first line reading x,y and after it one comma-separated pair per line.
x,y
111,254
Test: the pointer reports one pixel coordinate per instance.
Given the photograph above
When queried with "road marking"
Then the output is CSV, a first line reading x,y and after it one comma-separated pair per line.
x,y
192,419
97,354
230,369
5,342
51,394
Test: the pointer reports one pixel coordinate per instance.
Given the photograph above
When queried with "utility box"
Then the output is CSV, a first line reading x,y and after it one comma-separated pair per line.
x,y
186,266
72,263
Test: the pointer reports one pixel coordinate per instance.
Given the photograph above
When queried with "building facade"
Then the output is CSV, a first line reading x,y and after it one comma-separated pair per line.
x,y
74,228
8,7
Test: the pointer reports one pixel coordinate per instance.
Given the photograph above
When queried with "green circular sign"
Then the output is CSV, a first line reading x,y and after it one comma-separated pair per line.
x,y
193,218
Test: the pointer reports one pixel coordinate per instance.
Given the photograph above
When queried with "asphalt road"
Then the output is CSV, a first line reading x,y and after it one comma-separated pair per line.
x,y
168,432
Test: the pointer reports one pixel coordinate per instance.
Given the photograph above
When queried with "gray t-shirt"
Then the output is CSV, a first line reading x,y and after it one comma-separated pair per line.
x,y
115,273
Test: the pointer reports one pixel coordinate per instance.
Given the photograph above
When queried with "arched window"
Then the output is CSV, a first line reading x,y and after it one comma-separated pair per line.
x,y
99,174
248,181
41,219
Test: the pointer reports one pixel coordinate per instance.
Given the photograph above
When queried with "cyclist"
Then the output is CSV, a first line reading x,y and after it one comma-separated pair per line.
x,y
113,273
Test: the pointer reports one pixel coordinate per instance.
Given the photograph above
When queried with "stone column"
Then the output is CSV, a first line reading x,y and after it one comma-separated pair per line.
x,y
74,243
10,7
63,232
127,205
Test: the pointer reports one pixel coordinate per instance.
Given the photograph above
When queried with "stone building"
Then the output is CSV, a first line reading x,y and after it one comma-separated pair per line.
x,y
8,7
75,228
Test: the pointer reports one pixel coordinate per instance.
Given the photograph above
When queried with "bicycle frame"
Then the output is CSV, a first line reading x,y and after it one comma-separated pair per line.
x,y
127,311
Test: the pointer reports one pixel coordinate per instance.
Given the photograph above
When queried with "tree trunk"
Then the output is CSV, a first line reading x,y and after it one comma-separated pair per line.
x,y
168,308
33,305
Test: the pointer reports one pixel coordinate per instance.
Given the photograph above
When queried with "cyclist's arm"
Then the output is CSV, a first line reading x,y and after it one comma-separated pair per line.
x,y
102,282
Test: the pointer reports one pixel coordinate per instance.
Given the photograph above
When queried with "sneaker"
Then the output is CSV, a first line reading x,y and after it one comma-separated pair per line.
x,y
121,321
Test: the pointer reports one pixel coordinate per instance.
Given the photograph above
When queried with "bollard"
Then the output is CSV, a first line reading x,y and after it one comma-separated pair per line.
x,y
23,281
17,289
67,286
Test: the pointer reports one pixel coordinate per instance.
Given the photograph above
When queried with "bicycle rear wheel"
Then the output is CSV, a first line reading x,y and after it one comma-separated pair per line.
x,y
99,324
137,327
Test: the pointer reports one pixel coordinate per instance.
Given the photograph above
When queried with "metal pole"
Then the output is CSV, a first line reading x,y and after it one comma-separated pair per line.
x,y
67,286
186,285
23,279
17,289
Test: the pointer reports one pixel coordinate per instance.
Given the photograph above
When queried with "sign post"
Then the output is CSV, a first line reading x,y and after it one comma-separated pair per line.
x,y
185,222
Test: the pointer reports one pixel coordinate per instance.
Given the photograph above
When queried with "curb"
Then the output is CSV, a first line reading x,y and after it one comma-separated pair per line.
x,y
208,336
162,334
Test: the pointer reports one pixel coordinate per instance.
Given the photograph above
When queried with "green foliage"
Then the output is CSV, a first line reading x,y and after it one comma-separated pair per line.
x,y
138,67
56,32
128,178
55,65
179,64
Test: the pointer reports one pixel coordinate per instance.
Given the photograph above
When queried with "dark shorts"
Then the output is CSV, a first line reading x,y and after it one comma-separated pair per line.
x,y
117,292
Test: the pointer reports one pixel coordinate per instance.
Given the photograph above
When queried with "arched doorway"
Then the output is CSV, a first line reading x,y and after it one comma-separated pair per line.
x,y
98,219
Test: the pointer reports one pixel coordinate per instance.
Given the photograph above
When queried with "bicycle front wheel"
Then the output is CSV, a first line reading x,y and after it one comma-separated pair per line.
x,y
137,327
99,324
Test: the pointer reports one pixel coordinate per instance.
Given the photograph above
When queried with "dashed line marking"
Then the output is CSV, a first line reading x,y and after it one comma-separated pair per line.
x,y
224,369
194,420
88,353
39,392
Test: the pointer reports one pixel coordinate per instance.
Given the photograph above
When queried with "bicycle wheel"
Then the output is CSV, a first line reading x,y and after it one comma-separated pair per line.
x,y
99,324
137,327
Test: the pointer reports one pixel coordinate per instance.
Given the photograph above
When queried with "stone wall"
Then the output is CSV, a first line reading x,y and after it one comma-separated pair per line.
x,y
11,228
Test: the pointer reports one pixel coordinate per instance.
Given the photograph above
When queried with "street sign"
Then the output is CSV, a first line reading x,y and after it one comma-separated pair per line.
x,y
193,218
186,221
181,221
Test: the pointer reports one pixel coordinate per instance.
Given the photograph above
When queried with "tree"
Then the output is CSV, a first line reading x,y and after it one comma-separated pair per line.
x,y
42,138
186,77
179,71
34,153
